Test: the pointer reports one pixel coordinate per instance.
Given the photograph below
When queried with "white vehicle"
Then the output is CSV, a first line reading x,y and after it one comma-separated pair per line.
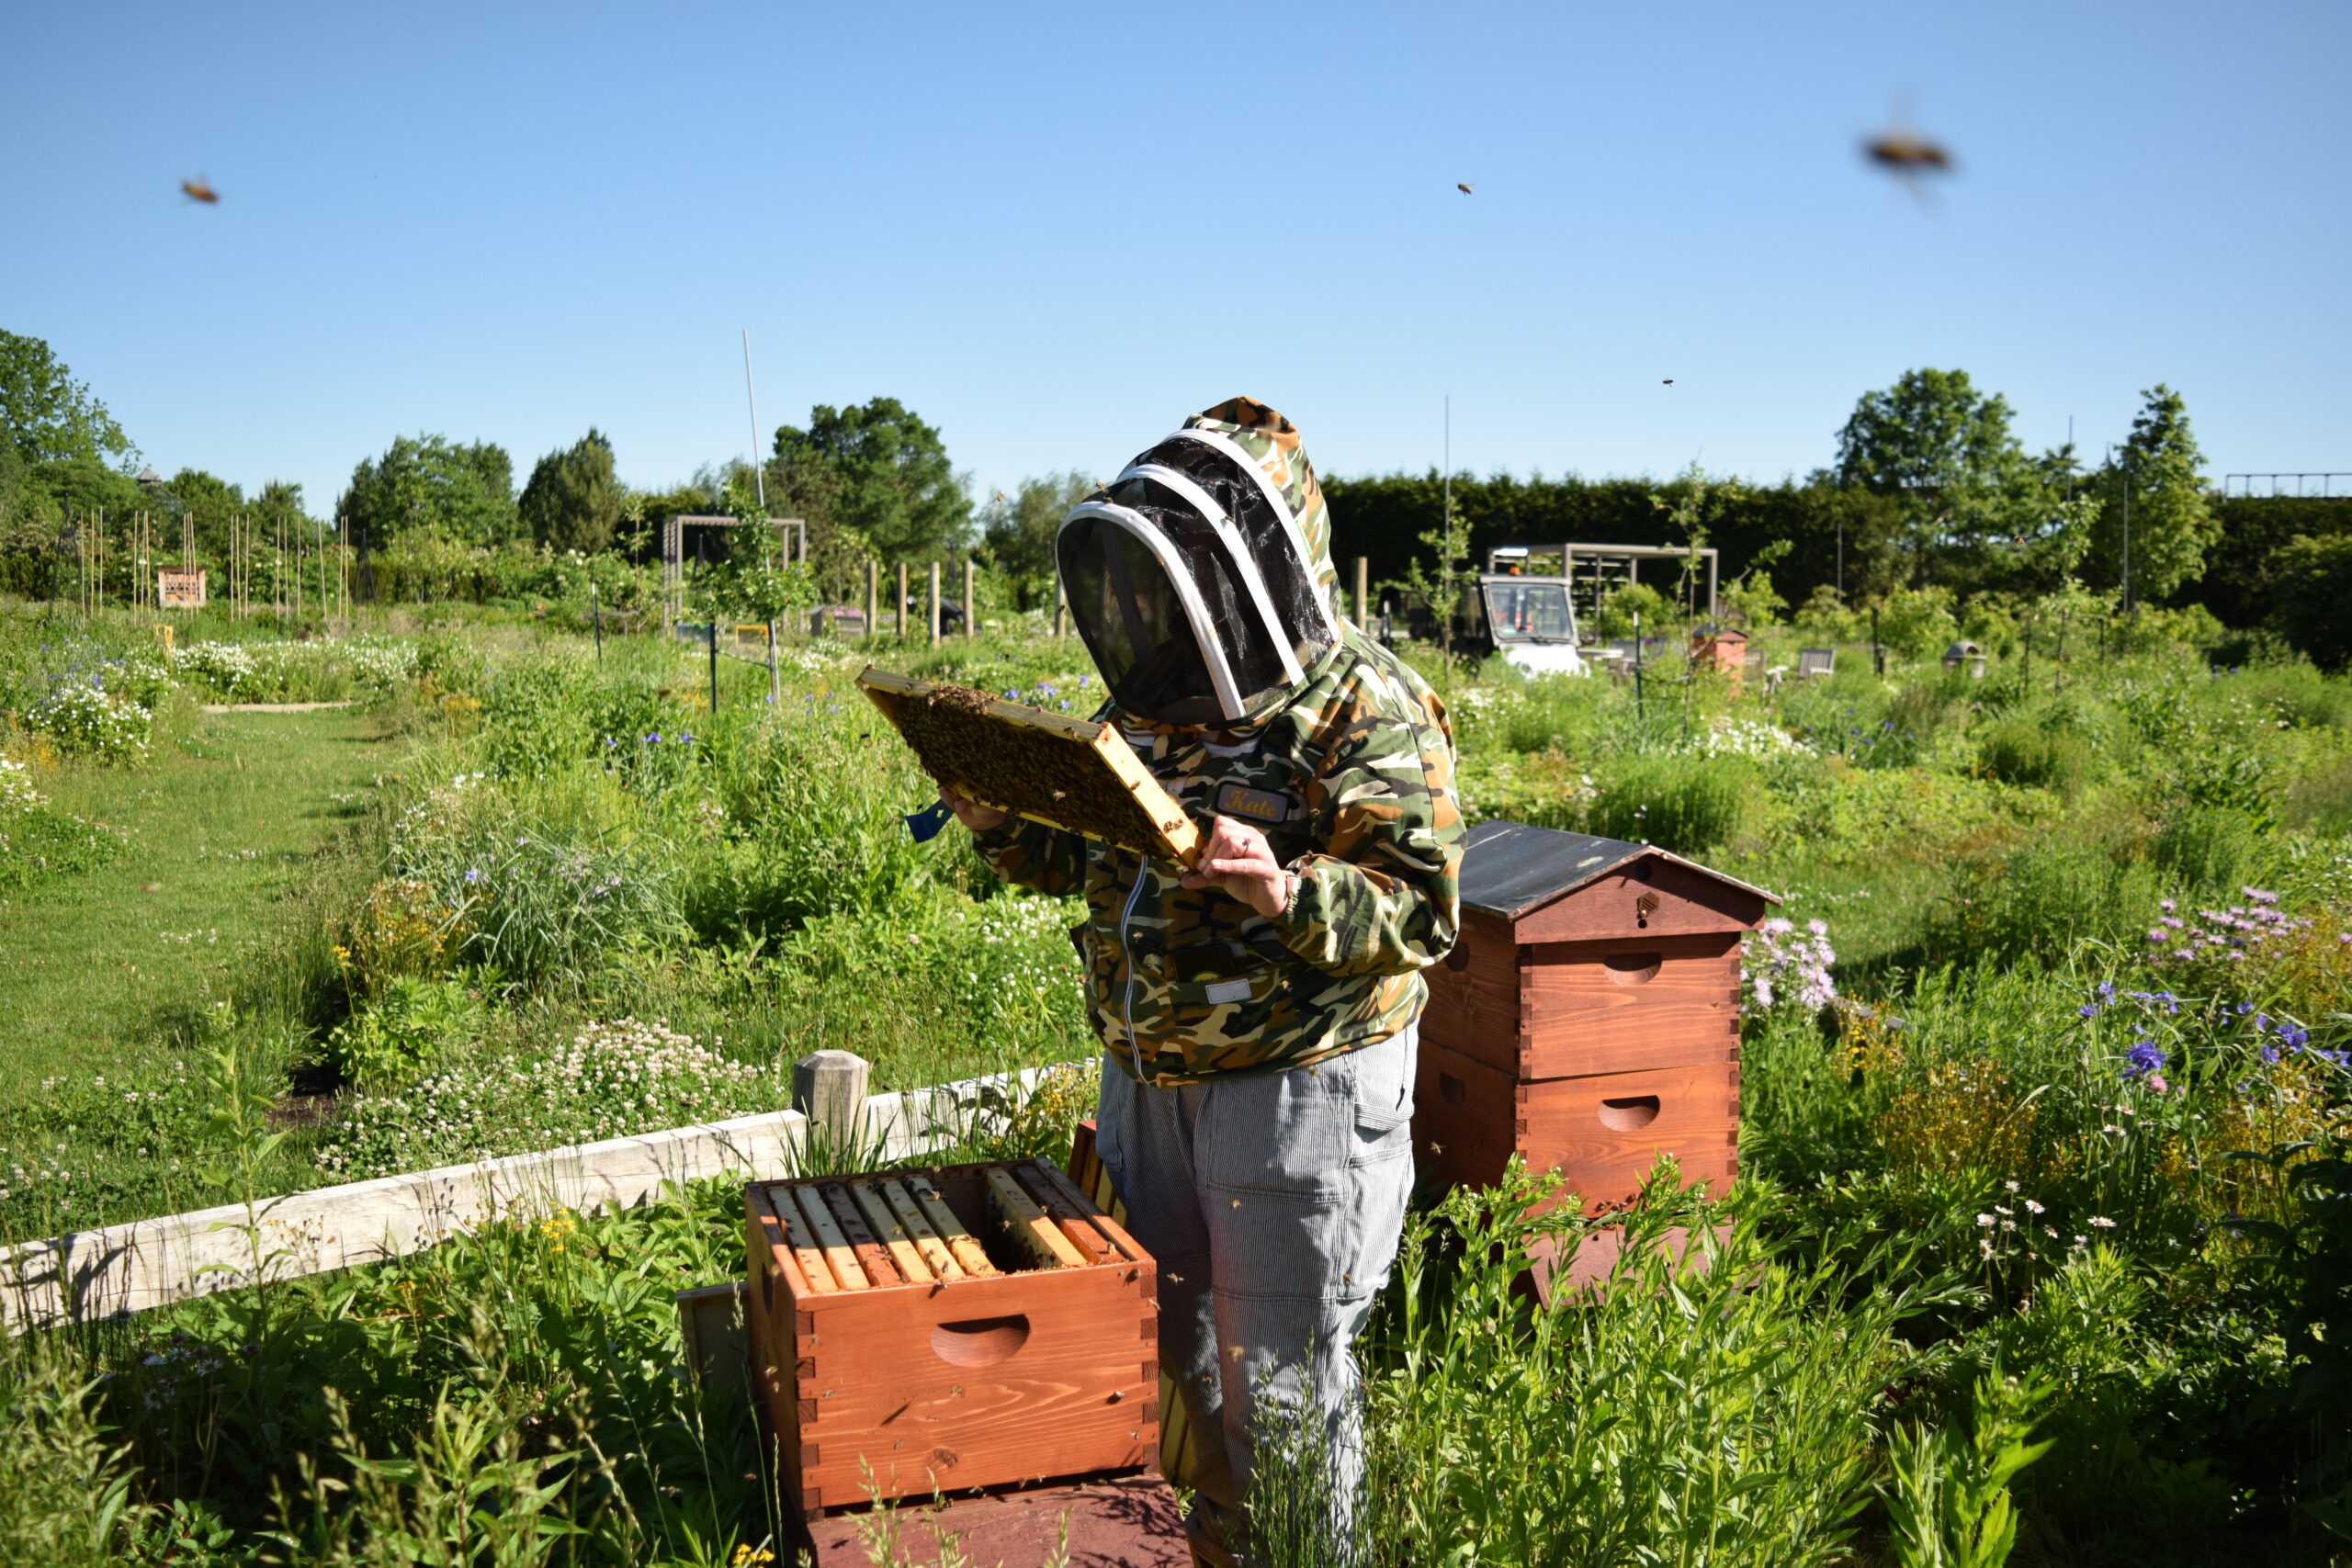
x,y
1530,623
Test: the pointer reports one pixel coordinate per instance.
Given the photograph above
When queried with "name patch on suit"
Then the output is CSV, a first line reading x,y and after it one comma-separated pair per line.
x,y
1251,804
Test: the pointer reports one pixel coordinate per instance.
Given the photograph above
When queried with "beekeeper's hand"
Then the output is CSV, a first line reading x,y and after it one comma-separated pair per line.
x,y
1236,858
978,818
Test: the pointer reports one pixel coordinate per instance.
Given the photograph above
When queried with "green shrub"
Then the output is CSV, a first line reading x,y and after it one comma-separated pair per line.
x,y
86,720
2023,751
2038,901
1686,803
2322,802
406,1031
2212,849
2311,583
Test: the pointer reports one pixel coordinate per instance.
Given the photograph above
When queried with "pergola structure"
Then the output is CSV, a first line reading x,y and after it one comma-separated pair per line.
x,y
674,553
1594,571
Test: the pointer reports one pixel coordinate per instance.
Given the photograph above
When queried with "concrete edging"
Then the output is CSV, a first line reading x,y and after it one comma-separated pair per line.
x,y
84,1275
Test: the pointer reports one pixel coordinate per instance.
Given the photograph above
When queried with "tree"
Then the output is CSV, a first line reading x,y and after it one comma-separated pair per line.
x,y
2312,583
1017,535
573,501
50,417
1947,452
889,478
461,494
2158,477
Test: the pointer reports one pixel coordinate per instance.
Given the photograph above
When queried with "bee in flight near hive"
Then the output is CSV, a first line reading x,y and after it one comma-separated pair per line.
x,y
1908,156
1462,186
200,189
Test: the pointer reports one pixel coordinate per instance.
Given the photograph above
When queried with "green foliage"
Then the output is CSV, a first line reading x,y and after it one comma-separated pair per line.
x,y
2312,584
51,418
2161,472
2032,754
894,485
426,484
1824,619
573,501
1017,534
1686,803
1916,623
1949,1501
406,1031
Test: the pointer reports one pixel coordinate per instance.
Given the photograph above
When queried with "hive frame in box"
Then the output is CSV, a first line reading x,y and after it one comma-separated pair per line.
x,y
1091,755
954,1385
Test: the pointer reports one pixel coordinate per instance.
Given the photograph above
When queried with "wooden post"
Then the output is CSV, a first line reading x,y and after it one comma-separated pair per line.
x,y
1363,592
873,598
899,609
1061,610
934,604
828,1088
971,607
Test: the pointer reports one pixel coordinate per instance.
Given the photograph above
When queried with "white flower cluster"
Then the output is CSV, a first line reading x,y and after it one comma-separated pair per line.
x,y
266,671
1750,738
608,1081
86,721
17,795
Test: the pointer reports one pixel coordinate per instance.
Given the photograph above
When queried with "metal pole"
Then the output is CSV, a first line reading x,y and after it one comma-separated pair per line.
x,y
712,629
934,604
596,615
776,681
1639,713
971,605
873,599
899,610
759,469
2127,530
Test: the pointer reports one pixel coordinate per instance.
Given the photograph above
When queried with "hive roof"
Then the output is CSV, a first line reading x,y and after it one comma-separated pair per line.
x,y
1509,868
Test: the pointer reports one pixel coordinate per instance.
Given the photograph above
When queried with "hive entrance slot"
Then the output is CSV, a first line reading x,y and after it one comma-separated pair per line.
x,y
980,1341
1630,1114
1632,968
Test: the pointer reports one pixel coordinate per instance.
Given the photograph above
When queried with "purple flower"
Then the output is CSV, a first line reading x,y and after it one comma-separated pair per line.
x,y
473,874
2088,1010
2143,1059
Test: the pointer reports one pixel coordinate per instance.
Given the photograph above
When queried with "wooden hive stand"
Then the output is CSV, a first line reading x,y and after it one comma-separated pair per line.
x,y
1587,1021
979,1333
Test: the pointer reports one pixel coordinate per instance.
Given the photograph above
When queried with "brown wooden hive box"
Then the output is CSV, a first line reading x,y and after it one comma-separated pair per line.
x,y
973,1327
1588,1018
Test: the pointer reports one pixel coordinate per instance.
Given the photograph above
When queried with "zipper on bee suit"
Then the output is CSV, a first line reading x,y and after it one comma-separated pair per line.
x,y
1127,987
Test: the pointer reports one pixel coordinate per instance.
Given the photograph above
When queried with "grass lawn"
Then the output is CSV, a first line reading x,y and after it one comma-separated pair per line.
x,y
100,972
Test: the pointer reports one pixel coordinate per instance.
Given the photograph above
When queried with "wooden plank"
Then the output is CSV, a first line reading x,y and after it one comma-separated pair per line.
x,y
962,1242
1474,990
884,1222
1620,1006
1132,1520
935,1255
1647,897
1097,1211
791,1249
872,1256
1067,1212
826,1233
1028,1225
1006,1381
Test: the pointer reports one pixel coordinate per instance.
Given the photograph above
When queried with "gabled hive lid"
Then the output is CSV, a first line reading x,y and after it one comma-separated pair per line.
x,y
1509,868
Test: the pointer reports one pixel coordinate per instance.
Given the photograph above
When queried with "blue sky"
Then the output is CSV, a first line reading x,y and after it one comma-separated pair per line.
x,y
1052,230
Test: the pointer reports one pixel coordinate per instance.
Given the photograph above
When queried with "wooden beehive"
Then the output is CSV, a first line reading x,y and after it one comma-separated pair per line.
x,y
1588,1018
1072,773
948,1330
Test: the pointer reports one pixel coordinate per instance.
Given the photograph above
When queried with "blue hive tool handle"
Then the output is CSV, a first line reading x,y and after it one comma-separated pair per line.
x,y
925,824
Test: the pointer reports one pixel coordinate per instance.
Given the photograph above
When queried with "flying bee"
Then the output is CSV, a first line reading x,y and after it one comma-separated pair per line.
x,y
1907,153
200,189
1462,186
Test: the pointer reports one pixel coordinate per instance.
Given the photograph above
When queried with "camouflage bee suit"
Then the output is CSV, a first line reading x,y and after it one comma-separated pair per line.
x,y
1351,781
1258,1128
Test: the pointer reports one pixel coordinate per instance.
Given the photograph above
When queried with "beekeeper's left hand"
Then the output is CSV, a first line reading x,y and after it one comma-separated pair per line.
x,y
1236,858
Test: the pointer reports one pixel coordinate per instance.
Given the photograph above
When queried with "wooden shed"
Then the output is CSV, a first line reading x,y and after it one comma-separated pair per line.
x,y
1588,1018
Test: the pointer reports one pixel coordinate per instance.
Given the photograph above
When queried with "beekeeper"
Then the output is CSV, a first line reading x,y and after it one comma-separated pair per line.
x,y
1259,1014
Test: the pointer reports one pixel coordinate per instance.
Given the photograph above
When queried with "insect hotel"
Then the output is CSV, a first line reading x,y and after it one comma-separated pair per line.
x,y
1588,1019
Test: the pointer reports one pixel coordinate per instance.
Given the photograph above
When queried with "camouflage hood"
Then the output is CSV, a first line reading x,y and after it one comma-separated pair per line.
x,y
1201,578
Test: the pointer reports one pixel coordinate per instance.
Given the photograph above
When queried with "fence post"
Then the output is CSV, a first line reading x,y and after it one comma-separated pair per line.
x,y
1062,609
828,1088
899,610
934,604
1363,590
873,599
971,606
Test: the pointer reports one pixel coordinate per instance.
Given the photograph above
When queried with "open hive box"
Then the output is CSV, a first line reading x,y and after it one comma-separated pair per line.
x,y
1073,774
939,1331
